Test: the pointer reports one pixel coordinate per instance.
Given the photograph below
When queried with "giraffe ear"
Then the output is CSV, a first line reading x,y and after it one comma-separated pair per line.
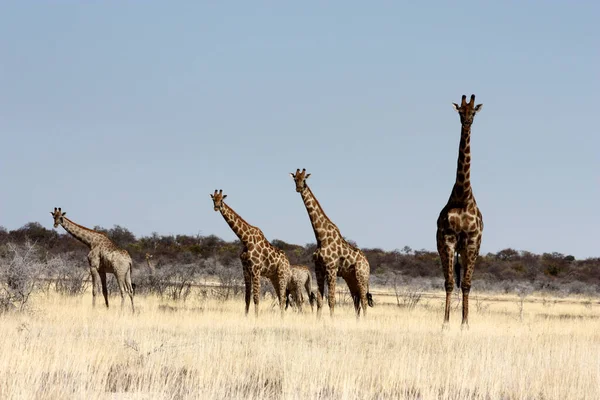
x,y
292,175
51,213
307,176
224,197
211,196
456,107
65,213
478,108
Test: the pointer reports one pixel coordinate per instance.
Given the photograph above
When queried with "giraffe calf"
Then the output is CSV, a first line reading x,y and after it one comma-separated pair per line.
x,y
300,277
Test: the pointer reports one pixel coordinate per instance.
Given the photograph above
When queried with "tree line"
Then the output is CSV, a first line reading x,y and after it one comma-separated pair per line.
x,y
207,254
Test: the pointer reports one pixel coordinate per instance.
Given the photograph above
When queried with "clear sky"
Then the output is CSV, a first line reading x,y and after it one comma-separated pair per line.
x,y
132,113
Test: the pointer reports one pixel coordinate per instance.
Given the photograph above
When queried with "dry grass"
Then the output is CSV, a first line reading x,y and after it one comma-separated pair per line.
x,y
204,349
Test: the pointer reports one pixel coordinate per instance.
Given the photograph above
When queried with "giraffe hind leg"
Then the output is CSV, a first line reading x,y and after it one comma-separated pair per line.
x,y
309,293
129,286
102,275
95,285
248,289
362,282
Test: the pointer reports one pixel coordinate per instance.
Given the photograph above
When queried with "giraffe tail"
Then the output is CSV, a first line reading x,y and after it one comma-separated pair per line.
x,y
457,268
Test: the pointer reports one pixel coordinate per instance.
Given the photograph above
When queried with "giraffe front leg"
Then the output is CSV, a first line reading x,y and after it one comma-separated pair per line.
x,y
319,272
356,300
284,277
95,284
94,261
248,289
469,255
446,248
256,291
331,281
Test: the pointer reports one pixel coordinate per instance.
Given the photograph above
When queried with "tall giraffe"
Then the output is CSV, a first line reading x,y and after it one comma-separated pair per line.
x,y
300,277
104,257
334,255
460,224
259,257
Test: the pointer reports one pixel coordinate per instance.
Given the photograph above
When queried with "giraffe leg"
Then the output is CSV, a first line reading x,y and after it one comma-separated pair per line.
x,y
353,287
95,284
296,299
256,292
94,261
331,281
362,280
280,290
104,286
356,300
300,298
129,287
289,299
248,289
310,294
446,247
469,254
320,273
362,297
122,289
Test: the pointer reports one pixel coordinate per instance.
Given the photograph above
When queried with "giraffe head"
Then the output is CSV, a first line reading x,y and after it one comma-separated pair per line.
x,y
467,111
218,198
57,214
300,178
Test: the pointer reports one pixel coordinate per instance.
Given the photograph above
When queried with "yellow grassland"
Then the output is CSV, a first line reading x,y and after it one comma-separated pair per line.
x,y
205,349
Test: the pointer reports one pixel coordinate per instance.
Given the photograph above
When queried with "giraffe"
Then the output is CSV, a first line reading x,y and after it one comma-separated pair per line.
x,y
334,255
104,257
300,276
259,257
460,224
151,268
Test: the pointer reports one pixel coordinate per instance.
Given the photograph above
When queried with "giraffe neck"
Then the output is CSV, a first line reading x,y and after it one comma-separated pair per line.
x,y
237,224
86,236
462,191
320,222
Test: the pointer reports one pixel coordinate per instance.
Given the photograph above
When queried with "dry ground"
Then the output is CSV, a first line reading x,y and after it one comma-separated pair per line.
x,y
62,349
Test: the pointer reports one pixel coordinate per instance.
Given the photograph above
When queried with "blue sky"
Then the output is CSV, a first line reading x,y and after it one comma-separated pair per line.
x,y
132,114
